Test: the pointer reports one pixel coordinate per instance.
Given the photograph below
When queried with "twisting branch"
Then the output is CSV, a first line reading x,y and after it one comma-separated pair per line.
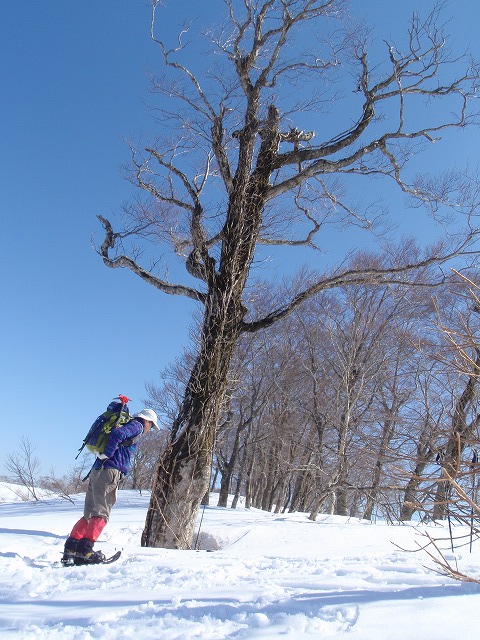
x,y
124,261
411,74
156,193
199,263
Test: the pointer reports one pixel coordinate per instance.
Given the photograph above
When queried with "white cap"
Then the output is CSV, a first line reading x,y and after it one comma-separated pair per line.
x,y
148,414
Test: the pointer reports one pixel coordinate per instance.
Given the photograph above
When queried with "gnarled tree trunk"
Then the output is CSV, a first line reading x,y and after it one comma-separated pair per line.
x,y
183,471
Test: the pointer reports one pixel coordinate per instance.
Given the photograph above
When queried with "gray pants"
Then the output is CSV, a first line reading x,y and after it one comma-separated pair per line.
x,y
101,493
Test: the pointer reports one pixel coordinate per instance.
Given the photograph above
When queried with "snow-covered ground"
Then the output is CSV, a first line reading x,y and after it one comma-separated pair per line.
x,y
272,576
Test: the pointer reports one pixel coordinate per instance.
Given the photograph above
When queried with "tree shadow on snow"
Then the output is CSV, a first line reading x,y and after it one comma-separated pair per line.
x,y
312,604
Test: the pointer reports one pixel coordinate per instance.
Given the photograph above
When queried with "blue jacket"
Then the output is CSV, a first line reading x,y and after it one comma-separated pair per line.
x,y
118,456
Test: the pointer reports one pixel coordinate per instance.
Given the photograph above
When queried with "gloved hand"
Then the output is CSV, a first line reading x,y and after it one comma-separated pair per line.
x,y
102,456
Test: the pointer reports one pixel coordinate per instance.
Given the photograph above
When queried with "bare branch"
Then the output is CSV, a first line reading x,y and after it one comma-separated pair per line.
x,y
24,468
167,56
388,275
412,73
125,261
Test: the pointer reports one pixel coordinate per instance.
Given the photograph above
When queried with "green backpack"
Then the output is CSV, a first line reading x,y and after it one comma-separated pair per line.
x,y
117,413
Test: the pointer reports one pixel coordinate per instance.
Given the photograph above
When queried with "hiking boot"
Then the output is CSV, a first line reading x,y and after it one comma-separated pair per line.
x,y
69,551
86,555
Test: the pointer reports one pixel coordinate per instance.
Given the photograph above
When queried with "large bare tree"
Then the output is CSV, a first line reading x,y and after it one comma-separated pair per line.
x,y
235,169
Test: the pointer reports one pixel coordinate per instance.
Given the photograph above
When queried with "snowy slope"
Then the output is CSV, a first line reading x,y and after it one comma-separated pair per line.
x,y
10,492
273,576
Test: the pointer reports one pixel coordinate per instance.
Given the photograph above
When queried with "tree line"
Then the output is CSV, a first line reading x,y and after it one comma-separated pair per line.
x,y
351,404
362,403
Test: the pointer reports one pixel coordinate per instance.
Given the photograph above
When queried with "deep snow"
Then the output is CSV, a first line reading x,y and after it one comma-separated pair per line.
x,y
272,576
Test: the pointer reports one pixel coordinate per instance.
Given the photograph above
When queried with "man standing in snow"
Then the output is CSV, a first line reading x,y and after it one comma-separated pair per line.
x,y
104,478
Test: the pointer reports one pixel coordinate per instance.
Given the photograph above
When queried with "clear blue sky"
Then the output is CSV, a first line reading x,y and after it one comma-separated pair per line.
x,y
73,86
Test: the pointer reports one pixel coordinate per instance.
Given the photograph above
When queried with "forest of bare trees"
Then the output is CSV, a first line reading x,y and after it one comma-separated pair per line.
x,y
353,405
363,403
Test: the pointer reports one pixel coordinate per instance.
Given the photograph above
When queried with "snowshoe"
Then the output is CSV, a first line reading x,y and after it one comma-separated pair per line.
x,y
82,561
94,557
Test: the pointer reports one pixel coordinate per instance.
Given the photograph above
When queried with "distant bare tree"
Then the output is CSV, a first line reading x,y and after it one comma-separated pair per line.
x,y
465,418
420,434
443,481
144,460
236,170
24,468
70,483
